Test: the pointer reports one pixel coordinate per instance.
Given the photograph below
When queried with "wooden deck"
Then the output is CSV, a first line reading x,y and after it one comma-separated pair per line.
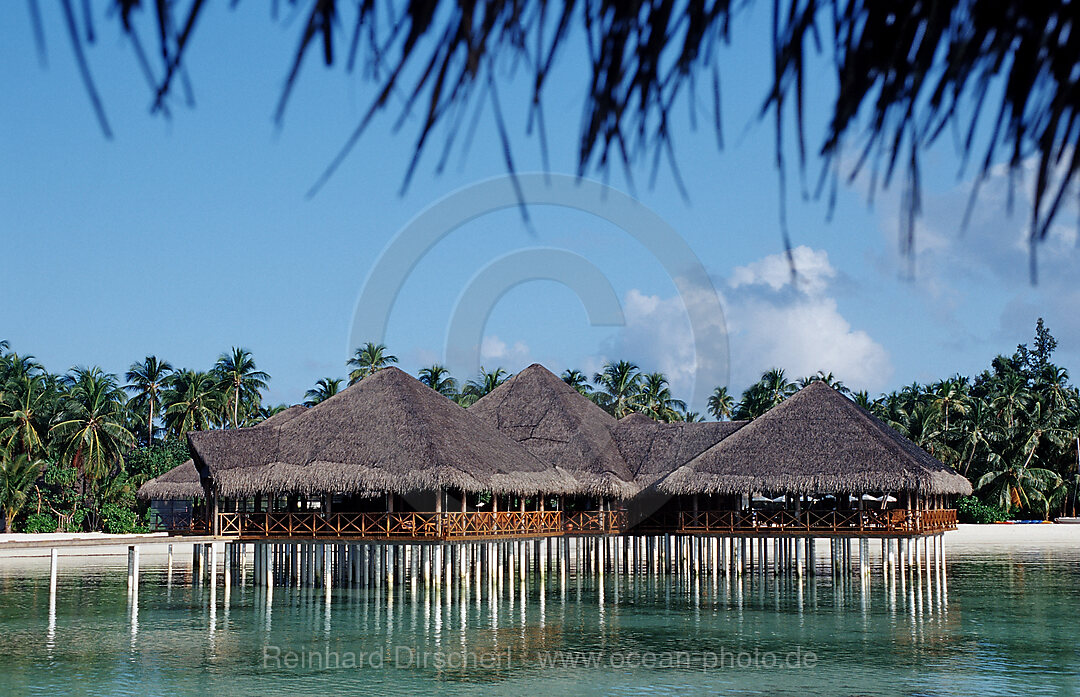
x,y
866,523
413,526
487,525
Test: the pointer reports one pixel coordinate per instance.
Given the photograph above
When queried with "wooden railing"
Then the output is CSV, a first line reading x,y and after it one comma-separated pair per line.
x,y
393,526
596,522
899,522
511,524
184,523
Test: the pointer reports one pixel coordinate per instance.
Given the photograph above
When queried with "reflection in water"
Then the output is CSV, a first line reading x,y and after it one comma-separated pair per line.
x,y
902,633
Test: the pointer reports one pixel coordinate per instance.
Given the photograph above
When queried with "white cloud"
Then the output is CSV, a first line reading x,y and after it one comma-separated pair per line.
x,y
814,271
971,277
803,337
797,327
496,352
768,323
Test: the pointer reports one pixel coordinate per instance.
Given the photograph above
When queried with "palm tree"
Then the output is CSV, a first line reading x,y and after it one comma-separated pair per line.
x,y
827,378
18,472
1053,382
13,366
1011,482
1012,397
482,385
980,430
1044,429
240,381
578,380
721,404
911,396
777,387
27,409
923,427
191,402
147,380
763,395
91,434
688,416
862,398
368,359
1073,473
266,412
950,395
324,389
654,399
619,383
438,378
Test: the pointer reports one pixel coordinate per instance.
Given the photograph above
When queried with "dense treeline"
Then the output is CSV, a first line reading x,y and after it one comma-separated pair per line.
x,y
75,447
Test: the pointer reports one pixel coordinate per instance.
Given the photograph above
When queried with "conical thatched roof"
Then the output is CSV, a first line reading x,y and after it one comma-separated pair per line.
x,y
389,432
283,416
184,482
817,441
181,482
653,449
561,427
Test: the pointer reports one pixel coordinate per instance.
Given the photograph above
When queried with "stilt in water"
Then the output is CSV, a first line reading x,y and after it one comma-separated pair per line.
x,y
213,565
133,568
196,566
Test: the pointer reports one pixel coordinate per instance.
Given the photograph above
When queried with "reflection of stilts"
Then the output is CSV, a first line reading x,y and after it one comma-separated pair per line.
x,y
133,569
50,633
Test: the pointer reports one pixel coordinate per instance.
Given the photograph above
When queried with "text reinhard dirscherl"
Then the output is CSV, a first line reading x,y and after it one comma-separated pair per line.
x,y
414,658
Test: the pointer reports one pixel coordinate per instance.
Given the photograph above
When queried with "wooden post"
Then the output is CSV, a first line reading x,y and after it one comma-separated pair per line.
x,y
133,568
215,525
438,511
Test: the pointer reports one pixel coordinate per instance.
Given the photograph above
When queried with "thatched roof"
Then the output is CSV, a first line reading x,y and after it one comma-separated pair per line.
x,y
653,449
181,482
387,433
184,482
817,441
561,427
283,416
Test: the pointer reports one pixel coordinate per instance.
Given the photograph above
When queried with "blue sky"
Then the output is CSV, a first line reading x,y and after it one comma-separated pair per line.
x,y
186,236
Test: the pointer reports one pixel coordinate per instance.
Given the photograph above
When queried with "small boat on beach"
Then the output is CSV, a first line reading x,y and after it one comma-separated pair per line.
x,y
1067,520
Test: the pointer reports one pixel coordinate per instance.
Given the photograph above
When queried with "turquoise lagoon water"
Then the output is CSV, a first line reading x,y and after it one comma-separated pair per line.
x,y
1008,624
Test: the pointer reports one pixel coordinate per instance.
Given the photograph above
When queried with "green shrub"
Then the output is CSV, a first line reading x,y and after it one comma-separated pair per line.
x,y
971,510
40,522
118,519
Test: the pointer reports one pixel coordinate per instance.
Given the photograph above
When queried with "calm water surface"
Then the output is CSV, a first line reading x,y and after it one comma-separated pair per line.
x,y
1009,625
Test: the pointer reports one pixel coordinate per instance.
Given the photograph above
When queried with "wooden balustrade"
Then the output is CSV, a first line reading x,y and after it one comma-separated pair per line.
x,y
854,523
393,526
596,522
184,523
514,524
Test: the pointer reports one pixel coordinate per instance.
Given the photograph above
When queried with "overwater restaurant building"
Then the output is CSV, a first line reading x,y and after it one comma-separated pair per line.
x,y
389,459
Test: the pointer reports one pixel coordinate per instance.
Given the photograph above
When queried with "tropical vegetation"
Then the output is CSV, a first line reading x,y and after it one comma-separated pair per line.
x,y
75,447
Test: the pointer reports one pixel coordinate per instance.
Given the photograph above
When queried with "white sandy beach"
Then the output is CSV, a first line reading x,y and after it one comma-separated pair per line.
x,y
980,538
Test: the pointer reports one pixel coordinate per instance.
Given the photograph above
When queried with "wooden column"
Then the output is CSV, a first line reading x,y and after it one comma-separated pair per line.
x,y
215,525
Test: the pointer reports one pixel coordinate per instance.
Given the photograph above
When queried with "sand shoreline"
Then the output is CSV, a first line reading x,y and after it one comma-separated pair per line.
x,y
986,537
